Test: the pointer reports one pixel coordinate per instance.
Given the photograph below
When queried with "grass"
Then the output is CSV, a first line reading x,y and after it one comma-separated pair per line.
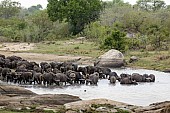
x,y
33,109
156,60
69,47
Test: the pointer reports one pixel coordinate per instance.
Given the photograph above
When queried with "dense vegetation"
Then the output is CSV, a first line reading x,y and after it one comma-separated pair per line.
x,y
113,24
77,13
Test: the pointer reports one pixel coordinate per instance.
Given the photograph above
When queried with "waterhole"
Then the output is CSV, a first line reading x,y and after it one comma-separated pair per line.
x,y
142,94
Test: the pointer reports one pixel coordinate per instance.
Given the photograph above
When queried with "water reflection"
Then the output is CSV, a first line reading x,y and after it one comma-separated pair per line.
x,y
142,94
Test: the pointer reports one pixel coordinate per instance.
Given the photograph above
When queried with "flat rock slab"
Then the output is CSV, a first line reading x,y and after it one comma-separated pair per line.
x,y
98,104
49,99
14,91
161,107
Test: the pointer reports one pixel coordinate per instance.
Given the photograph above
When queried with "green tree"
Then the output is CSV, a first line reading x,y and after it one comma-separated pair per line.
x,y
11,28
29,11
151,5
32,9
115,40
96,32
158,35
77,13
40,25
9,9
133,21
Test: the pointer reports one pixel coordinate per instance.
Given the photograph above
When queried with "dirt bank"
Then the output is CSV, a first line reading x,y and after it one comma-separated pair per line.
x,y
17,46
20,49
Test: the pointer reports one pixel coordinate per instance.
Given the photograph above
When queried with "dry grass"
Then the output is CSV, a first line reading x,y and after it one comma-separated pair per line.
x,y
157,60
69,47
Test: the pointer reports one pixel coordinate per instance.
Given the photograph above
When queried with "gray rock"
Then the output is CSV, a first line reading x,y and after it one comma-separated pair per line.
x,y
10,90
47,99
113,59
167,71
133,59
113,111
102,109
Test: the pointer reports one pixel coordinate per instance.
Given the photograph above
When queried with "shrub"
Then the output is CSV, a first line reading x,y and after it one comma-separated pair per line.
x,y
116,40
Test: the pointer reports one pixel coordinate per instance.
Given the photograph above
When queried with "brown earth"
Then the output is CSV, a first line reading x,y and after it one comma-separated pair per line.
x,y
19,49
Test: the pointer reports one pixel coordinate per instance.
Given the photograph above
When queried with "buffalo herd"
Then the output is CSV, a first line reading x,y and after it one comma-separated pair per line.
x,y
18,70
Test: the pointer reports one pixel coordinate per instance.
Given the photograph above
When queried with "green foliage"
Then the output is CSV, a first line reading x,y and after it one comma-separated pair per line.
x,y
133,21
115,3
158,36
137,23
33,9
11,28
77,13
9,9
146,24
58,31
151,5
115,40
39,25
96,32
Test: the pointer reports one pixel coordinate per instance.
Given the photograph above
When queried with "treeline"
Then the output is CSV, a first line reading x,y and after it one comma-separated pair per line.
x,y
145,25
119,25
28,24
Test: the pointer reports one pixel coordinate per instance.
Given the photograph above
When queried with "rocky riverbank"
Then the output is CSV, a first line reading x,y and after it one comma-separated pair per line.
x,y
18,99
15,98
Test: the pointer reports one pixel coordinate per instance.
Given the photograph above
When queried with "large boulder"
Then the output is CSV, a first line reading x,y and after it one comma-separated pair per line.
x,y
113,59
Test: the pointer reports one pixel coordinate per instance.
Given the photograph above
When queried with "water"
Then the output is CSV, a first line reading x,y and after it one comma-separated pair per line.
x,y
142,94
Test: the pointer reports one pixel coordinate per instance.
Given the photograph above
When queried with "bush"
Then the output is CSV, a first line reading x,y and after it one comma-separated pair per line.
x,y
96,32
116,40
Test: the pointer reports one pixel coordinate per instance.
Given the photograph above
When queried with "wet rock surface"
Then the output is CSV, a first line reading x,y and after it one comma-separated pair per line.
x,y
14,91
167,71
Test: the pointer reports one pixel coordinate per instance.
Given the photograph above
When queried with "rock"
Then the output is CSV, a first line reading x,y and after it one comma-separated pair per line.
x,y
82,39
101,105
167,71
41,102
161,107
113,59
133,59
10,90
102,109
58,99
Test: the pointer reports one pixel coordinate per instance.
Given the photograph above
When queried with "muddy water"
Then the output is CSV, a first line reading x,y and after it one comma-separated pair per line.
x,y
142,94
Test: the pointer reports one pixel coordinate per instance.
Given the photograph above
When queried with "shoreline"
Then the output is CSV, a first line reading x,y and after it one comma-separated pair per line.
x,y
37,57
26,51
11,101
